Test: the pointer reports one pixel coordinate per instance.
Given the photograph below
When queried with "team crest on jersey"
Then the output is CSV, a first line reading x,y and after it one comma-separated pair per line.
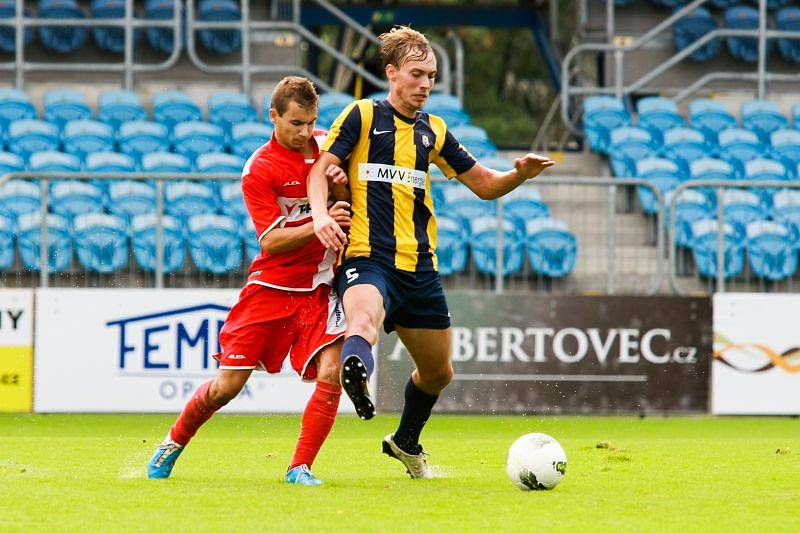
x,y
426,142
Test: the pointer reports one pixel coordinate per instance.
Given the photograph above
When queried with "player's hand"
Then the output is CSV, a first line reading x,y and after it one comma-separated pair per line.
x,y
328,232
531,165
335,175
340,213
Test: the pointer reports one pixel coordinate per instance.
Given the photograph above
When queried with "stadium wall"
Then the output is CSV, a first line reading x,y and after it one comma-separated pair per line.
x,y
16,350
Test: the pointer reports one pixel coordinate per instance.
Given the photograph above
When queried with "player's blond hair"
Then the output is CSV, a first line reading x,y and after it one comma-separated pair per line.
x,y
401,44
294,89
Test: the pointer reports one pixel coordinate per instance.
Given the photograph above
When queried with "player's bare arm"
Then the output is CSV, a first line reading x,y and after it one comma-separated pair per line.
x,y
281,240
337,180
325,227
490,184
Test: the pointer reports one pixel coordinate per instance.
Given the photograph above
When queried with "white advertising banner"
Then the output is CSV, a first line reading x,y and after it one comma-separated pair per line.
x,y
756,368
16,350
143,350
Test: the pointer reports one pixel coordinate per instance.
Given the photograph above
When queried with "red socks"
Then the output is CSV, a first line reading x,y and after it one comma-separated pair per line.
x,y
317,422
197,411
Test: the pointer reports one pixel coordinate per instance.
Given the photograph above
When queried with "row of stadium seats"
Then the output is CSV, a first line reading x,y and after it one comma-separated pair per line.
x,y
68,39
771,248
700,22
101,242
721,4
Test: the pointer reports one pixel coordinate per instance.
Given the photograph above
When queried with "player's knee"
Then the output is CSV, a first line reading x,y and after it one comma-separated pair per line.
x,y
224,391
363,325
436,380
328,371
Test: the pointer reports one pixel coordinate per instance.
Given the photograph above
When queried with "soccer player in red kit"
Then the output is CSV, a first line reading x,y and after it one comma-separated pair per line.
x,y
287,306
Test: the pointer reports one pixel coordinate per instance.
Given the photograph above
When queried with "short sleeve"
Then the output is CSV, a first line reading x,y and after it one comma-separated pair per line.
x,y
261,200
453,158
344,132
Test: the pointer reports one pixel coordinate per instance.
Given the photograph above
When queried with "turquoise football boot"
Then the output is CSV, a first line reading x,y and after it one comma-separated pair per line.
x,y
160,465
301,475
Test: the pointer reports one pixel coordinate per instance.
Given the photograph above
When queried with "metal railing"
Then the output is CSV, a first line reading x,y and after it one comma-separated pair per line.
x,y
718,283
618,52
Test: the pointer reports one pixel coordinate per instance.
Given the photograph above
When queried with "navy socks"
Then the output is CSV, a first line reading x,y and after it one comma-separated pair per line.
x,y
416,412
359,346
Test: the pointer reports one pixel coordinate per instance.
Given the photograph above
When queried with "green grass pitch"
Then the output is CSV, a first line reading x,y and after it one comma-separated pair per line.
x,y
86,472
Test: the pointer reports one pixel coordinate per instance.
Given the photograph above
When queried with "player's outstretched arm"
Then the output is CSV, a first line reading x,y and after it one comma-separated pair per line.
x,y
490,184
325,227
280,240
337,179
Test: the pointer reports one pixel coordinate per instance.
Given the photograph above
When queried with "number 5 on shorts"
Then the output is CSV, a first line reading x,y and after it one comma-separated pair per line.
x,y
351,274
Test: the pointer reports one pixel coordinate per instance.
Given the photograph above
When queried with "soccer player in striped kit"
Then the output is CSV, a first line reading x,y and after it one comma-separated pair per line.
x,y
387,273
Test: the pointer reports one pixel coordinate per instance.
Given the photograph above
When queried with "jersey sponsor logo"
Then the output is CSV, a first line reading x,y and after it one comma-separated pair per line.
x,y
295,209
392,174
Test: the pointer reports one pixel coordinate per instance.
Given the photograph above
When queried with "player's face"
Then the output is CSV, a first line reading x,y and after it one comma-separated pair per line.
x,y
295,127
412,83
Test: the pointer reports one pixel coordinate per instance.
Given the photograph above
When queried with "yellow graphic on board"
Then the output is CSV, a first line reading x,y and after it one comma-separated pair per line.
x,y
16,379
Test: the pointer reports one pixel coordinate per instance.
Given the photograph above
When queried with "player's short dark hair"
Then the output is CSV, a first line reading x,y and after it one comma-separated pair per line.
x,y
294,89
401,44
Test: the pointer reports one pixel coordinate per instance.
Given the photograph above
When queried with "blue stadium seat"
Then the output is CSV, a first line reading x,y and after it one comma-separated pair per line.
x,y
29,233
8,36
14,105
111,38
451,246
54,162
498,163
446,106
772,249
786,147
166,162
765,169
552,248
59,242
690,206
628,145
742,207
184,199
479,149
228,109
330,107
657,115
172,107
524,203
247,231
708,168
664,174
11,163
601,115
692,27
438,184
220,41
215,246
710,117
248,137
61,39
6,241
128,198
219,163
232,201
70,198
462,203
28,136
118,107
483,241
140,137
195,138
162,39
63,105
101,242
143,235
108,162
762,117
469,132
786,207
18,197
738,145
684,145
788,19
743,18
704,248
84,137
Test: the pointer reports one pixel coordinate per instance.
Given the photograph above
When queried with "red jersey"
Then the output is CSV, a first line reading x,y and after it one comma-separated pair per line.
x,y
274,189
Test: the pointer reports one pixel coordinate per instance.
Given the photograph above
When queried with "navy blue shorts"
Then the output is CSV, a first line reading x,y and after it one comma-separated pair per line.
x,y
411,299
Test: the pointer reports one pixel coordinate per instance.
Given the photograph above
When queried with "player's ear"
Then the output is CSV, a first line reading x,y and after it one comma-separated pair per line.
x,y
273,115
391,72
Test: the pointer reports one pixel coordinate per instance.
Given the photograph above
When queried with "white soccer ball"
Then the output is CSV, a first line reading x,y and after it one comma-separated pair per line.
x,y
536,462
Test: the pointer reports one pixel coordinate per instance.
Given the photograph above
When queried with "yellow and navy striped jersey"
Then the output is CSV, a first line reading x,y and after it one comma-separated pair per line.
x,y
388,156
